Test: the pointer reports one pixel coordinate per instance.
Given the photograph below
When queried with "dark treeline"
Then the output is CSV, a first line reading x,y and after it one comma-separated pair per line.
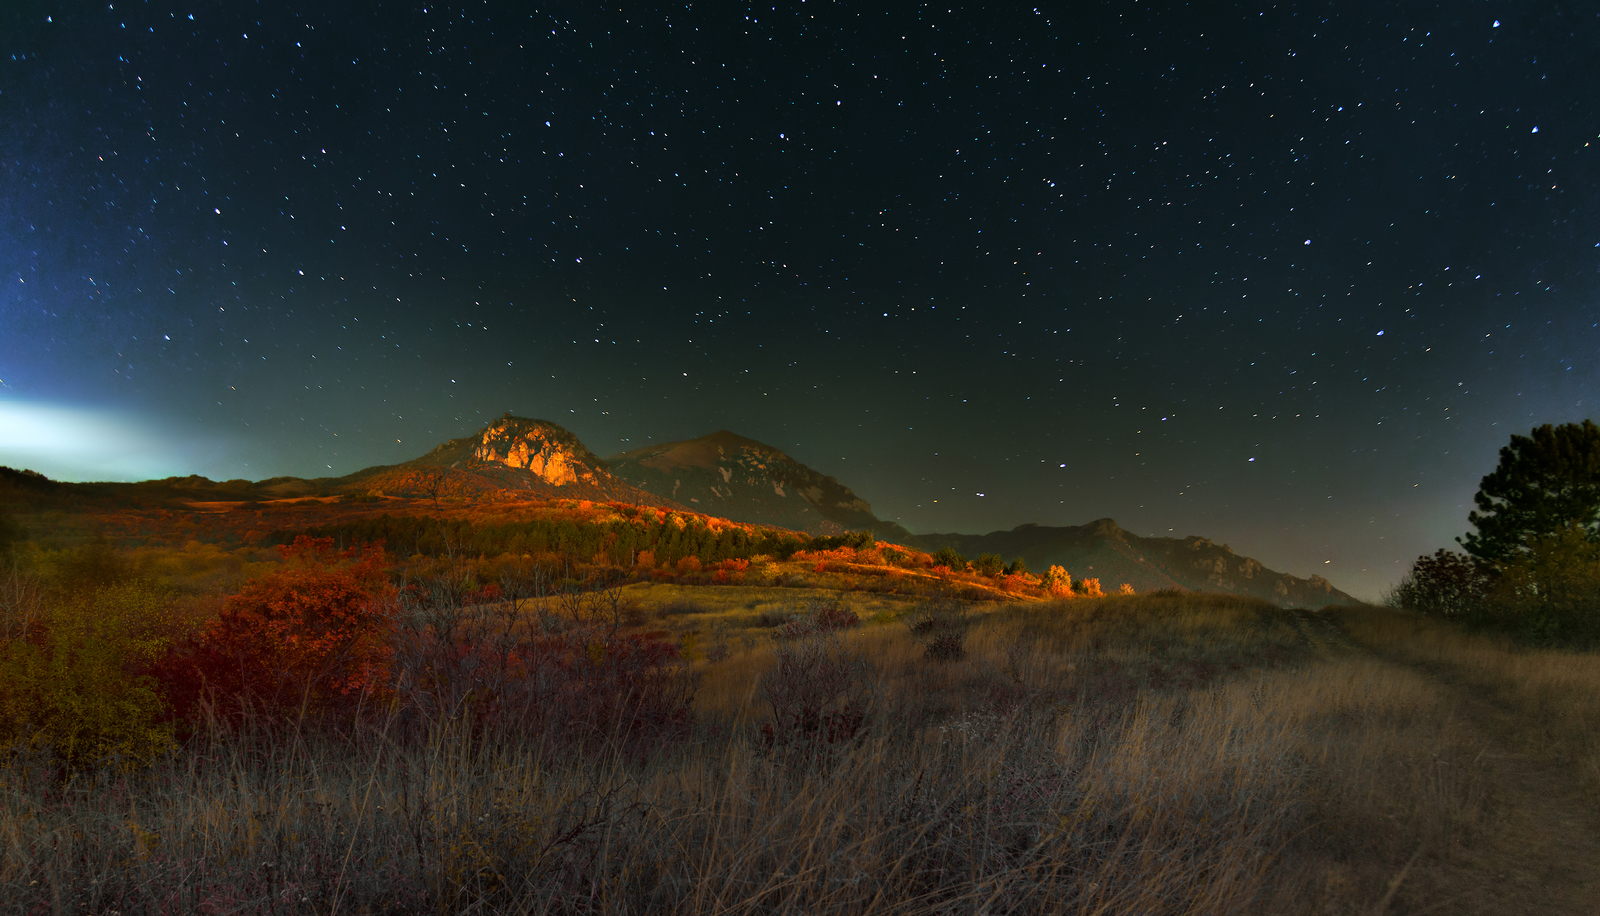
x,y
614,541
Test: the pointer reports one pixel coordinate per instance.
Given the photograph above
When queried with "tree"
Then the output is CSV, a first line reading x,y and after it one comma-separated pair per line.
x,y
1545,482
1447,584
433,481
1057,581
989,564
1551,591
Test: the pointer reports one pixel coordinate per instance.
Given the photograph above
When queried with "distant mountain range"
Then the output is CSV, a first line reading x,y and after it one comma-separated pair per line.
x,y
1103,550
732,477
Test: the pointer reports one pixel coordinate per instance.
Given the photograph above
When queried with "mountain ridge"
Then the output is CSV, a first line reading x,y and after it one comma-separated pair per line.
x,y
723,473
1104,550
730,476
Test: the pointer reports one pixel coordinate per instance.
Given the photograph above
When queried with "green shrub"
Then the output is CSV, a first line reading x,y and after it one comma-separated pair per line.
x,y
1551,592
988,564
72,681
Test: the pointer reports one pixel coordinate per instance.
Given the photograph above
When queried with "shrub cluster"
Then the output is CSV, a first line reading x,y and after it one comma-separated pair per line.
x,y
113,674
1547,593
940,625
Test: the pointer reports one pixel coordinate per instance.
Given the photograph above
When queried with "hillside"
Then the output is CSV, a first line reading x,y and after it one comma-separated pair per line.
x,y
1103,550
728,475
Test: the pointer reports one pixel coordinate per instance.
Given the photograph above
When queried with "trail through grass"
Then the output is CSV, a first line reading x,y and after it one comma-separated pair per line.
x,y
1534,715
1190,754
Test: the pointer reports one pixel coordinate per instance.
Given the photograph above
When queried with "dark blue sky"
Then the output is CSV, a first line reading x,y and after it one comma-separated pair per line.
x,y
1285,276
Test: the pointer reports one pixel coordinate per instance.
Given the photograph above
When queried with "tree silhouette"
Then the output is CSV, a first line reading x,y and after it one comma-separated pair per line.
x,y
433,483
1545,481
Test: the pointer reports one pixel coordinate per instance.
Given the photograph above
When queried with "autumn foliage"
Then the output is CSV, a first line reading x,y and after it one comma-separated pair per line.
x,y
72,679
308,641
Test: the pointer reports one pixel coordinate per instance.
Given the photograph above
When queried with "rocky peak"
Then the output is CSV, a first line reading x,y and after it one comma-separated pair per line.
x,y
1106,528
538,446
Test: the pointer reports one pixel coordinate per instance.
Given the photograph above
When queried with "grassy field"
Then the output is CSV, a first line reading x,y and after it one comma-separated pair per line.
x,y
1147,754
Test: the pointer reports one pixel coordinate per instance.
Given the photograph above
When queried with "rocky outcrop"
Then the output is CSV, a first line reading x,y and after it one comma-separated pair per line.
x,y
544,449
523,456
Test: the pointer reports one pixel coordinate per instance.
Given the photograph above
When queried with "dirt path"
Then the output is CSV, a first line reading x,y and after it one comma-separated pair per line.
x,y
1539,853
1318,631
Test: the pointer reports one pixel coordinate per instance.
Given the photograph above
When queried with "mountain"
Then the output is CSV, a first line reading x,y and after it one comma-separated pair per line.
x,y
1103,550
744,480
723,475
534,458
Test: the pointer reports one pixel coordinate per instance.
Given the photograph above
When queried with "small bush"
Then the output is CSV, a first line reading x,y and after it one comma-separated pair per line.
x,y
677,607
579,682
940,625
946,647
818,693
773,617
820,617
1447,584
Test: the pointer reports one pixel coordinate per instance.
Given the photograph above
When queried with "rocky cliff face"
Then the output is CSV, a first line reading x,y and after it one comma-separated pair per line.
x,y
525,456
546,450
728,475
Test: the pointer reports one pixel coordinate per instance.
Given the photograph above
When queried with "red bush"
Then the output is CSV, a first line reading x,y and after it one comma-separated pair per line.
x,y
308,640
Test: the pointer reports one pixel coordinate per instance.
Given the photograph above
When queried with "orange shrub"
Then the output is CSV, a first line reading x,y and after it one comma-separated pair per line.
x,y
310,639
1090,588
1057,581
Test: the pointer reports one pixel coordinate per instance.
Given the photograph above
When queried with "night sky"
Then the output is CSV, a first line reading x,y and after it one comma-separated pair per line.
x,y
1286,276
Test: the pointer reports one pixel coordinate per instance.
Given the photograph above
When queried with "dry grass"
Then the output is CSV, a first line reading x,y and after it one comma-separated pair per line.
x,y
1555,693
1146,755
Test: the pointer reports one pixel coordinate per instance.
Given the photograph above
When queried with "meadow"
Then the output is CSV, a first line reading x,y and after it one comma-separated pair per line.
x,y
787,744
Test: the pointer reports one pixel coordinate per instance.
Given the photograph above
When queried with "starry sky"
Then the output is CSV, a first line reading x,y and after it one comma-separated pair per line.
x,y
1283,275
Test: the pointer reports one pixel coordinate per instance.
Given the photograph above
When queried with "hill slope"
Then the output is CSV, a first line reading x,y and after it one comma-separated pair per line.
x,y
747,481
1103,550
741,479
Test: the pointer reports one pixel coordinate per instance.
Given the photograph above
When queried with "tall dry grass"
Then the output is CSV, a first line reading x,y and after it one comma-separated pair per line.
x,y
1556,693
1127,755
